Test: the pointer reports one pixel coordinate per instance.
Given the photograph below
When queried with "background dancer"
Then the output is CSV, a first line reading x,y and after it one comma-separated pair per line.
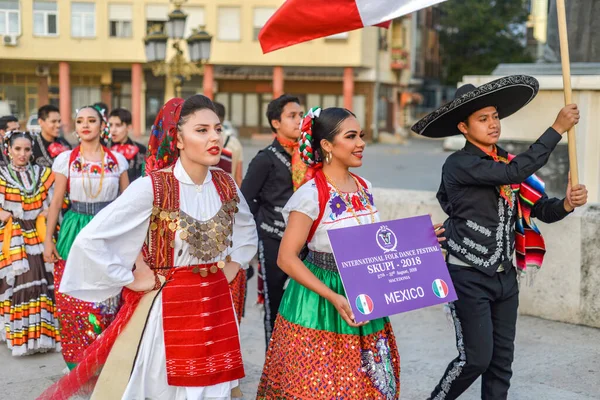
x,y
270,181
92,176
7,123
491,197
27,308
119,122
48,144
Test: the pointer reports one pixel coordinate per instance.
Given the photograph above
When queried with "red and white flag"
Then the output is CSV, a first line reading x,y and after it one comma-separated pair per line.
x,y
298,21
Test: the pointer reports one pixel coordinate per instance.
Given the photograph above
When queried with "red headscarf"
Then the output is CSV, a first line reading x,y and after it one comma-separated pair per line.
x,y
162,146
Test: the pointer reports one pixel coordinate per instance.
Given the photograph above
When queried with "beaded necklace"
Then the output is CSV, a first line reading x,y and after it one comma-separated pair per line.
x,y
87,192
349,205
21,182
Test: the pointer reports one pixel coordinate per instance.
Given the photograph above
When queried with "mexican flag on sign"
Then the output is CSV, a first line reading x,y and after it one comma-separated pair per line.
x,y
298,21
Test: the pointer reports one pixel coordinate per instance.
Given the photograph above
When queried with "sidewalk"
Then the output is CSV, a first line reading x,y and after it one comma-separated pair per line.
x,y
553,361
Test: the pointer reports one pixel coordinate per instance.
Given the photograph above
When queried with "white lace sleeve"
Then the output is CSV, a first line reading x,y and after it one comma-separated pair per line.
x,y
305,200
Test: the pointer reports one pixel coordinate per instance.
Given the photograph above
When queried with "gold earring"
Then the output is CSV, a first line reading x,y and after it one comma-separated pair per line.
x,y
328,158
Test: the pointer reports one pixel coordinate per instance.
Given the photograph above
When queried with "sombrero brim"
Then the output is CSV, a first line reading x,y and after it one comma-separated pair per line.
x,y
508,95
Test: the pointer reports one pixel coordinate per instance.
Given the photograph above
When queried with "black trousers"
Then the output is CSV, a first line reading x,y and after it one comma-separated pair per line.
x,y
485,318
273,281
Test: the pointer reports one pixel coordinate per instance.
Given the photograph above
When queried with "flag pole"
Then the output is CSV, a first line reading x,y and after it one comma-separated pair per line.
x,y
566,70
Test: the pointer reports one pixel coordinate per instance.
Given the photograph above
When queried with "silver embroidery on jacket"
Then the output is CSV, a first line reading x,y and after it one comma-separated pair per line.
x,y
504,227
271,229
478,228
480,248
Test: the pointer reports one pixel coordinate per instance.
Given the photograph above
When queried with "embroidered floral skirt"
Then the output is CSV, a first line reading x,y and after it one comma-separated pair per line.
x,y
27,311
80,321
238,294
314,354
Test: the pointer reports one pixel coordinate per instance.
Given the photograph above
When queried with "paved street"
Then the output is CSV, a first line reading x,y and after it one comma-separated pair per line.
x,y
553,361
415,165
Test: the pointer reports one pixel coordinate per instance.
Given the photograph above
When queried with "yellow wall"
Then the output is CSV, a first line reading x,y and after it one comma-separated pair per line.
x,y
102,48
65,48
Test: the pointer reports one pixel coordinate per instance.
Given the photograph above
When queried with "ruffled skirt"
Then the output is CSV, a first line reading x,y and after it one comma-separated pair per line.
x,y
27,309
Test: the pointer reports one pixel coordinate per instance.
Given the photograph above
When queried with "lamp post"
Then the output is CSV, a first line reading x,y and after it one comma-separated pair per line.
x,y
178,68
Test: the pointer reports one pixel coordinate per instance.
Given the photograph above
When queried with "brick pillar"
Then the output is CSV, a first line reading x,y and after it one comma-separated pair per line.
x,y
277,82
208,81
106,95
43,91
136,98
64,91
348,87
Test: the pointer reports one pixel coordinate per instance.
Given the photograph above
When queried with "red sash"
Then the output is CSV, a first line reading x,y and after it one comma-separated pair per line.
x,y
202,342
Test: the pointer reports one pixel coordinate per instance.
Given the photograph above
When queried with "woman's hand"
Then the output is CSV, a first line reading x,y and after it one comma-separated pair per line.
x,y
439,231
143,278
4,216
343,307
231,270
50,253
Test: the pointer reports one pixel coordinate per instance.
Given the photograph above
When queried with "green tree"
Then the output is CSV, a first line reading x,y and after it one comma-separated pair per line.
x,y
477,35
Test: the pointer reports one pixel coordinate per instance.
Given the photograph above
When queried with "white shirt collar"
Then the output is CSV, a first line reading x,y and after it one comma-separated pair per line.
x,y
182,176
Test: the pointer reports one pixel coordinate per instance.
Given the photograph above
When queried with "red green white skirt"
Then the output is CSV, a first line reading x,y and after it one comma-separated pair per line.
x,y
314,354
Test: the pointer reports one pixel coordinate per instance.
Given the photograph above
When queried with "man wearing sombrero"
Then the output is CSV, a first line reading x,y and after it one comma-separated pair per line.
x,y
491,197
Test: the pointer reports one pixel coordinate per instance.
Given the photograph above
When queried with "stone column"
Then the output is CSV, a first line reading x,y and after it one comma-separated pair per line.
x,y
277,82
64,91
208,81
348,87
136,98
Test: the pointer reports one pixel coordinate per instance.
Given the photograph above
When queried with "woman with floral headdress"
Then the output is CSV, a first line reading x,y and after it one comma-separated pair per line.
x,y
27,310
317,350
91,176
176,335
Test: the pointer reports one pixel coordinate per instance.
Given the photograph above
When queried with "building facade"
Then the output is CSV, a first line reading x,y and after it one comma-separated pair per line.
x,y
73,53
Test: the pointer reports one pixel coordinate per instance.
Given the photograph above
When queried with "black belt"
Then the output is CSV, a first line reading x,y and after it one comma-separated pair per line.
x,y
325,261
88,208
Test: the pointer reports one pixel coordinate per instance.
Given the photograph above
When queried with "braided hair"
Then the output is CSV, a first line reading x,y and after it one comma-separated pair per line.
x,y
319,124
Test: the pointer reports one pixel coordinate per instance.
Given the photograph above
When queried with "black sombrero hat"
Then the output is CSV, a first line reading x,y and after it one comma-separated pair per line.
x,y
508,95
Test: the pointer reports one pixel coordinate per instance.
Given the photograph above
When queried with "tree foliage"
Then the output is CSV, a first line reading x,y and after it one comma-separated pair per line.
x,y
477,35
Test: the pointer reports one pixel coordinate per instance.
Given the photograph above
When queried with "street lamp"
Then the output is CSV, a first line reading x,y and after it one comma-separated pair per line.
x,y
177,68
176,24
199,46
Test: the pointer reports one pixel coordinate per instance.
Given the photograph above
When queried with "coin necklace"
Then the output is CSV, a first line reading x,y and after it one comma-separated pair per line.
x,y
348,204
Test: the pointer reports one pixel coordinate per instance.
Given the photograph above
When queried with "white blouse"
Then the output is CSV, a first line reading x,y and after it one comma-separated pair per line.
x,y
337,213
86,178
102,257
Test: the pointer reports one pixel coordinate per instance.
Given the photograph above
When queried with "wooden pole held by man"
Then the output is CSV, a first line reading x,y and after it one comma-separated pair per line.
x,y
566,70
